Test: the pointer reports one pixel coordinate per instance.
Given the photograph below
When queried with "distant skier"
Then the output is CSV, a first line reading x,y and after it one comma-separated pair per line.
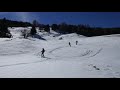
x,y
69,44
42,52
76,42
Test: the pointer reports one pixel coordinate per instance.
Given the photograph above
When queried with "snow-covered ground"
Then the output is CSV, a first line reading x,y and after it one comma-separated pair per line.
x,y
93,57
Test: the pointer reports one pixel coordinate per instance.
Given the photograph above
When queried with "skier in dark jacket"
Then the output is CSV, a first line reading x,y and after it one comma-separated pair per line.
x,y
42,52
76,42
69,44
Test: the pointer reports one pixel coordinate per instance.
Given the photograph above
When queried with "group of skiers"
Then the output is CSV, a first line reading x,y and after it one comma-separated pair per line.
x,y
70,43
43,50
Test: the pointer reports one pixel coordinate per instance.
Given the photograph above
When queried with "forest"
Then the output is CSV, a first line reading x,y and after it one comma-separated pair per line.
x,y
62,28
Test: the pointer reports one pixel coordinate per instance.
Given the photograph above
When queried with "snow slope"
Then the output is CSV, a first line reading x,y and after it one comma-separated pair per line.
x,y
93,57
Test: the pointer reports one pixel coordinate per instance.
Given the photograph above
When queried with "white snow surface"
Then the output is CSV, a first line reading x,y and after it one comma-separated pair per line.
x,y
93,57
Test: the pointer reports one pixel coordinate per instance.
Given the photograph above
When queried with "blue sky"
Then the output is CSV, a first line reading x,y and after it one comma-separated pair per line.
x,y
97,19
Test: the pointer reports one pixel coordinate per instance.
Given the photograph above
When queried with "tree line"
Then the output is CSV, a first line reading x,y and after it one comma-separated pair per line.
x,y
11,23
85,30
62,28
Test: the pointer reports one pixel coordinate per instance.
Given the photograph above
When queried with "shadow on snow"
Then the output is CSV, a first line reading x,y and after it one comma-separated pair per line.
x,y
39,37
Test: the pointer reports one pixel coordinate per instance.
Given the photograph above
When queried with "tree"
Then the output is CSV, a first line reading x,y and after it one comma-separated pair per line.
x,y
63,28
4,32
35,23
33,30
41,27
54,27
47,28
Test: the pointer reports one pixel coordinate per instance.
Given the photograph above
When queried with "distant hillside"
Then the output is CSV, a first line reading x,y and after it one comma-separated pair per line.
x,y
11,23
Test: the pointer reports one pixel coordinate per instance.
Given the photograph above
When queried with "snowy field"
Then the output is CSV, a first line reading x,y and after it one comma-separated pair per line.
x,y
93,57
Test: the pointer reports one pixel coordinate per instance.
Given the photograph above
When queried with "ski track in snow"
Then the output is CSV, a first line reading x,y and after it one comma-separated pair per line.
x,y
97,52
88,52
58,48
46,58
25,63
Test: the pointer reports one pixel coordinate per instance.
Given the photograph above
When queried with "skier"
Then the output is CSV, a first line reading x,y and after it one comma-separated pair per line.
x,y
76,42
42,52
69,44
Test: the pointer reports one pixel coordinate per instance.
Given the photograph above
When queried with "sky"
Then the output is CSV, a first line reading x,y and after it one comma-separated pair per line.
x,y
94,19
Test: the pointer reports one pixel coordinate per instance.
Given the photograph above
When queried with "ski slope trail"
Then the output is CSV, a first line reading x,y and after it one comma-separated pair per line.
x,y
93,57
